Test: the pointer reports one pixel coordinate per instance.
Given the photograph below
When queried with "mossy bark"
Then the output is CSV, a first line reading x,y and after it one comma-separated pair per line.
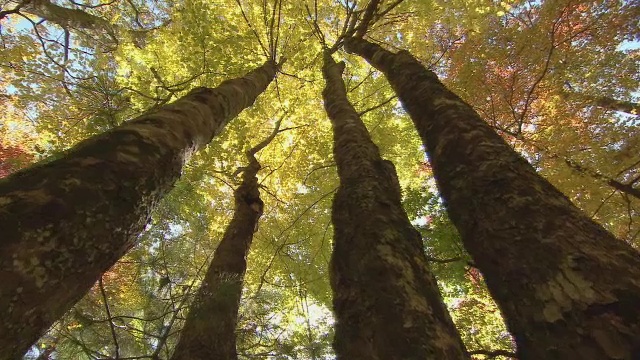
x,y
568,288
64,223
386,300
209,331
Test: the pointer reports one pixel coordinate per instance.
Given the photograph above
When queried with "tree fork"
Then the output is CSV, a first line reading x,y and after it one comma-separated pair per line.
x,y
65,222
567,287
386,300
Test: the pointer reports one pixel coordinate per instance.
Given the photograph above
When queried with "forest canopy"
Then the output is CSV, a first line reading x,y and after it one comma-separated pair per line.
x,y
556,79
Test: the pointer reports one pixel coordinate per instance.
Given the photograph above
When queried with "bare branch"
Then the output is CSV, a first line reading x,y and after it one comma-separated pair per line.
x,y
110,318
253,30
377,106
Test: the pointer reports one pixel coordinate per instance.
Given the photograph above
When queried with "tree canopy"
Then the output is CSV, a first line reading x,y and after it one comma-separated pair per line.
x,y
558,79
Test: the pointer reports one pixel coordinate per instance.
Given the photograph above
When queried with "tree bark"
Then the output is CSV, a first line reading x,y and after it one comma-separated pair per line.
x,y
209,332
386,300
65,222
68,18
568,288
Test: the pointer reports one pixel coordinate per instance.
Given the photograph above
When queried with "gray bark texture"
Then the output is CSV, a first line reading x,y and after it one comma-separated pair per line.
x,y
64,223
386,300
568,289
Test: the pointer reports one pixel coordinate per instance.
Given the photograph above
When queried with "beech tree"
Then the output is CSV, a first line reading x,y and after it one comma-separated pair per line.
x,y
209,331
386,299
62,82
551,269
67,221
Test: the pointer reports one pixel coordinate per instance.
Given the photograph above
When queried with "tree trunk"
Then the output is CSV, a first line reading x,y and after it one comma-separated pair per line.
x,y
567,287
209,332
69,18
65,222
78,20
210,329
386,301
628,107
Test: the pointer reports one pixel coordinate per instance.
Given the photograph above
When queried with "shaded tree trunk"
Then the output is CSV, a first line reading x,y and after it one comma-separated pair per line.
x,y
567,287
210,329
65,222
386,300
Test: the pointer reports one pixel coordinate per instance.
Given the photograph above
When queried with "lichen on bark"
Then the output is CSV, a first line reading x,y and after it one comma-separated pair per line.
x,y
65,222
564,284
210,328
386,301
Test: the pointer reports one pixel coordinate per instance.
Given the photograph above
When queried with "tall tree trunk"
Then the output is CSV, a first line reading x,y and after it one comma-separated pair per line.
x,y
628,107
78,20
68,18
386,300
210,329
567,287
64,223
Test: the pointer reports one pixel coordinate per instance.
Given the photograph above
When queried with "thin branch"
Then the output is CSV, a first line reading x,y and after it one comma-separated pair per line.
x,y
377,106
347,27
93,6
315,28
267,141
253,30
617,185
263,277
162,339
493,353
327,166
384,12
111,325
602,204
369,74
544,72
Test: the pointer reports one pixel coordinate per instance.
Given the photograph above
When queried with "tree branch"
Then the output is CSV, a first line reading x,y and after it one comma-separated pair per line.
x,y
110,318
493,353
